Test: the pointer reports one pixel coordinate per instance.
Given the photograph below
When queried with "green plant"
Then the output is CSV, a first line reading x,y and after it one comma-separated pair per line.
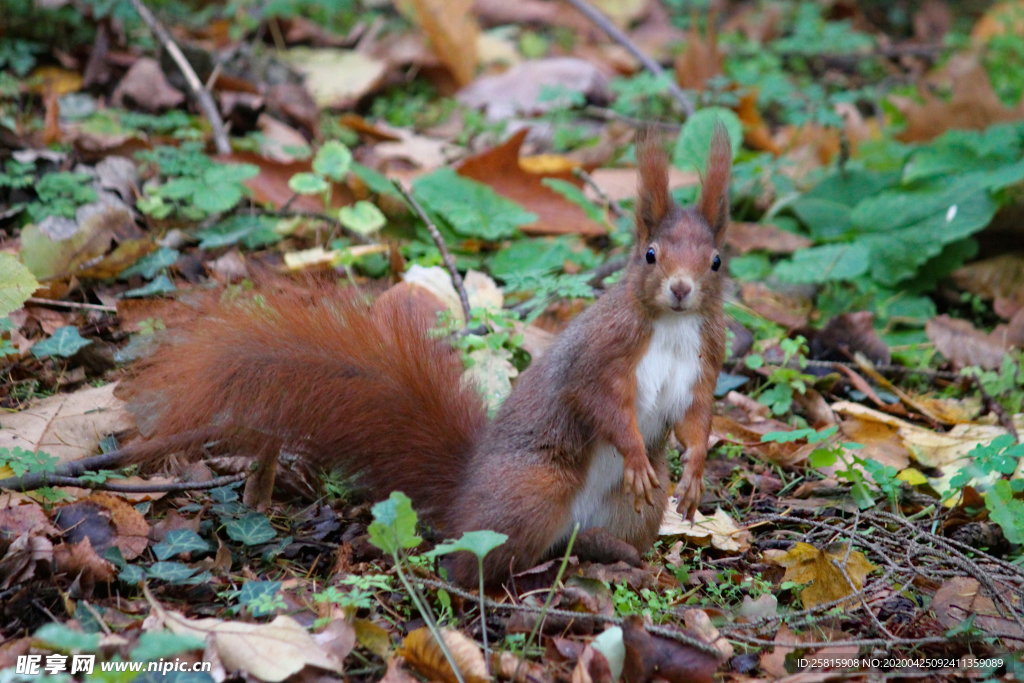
x,y
782,382
1006,384
22,462
59,194
196,186
361,593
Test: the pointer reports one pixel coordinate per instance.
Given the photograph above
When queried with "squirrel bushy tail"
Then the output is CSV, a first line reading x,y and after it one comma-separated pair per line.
x,y
366,390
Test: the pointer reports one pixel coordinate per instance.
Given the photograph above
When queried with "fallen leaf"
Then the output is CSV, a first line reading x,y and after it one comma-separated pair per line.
x,y
747,237
146,87
719,530
1000,279
847,334
788,310
591,667
962,597
452,29
806,564
881,442
519,90
438,283
422,652
80,560
621,183
1000,19
650,657
336,78
500,169
270,185
756,132
424,153
67,426
700,625
337,639
130,526
965,345
16,520
18,564
280,142
749,435
483,291
701,60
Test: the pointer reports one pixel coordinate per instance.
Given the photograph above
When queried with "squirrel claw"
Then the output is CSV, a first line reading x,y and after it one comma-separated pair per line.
x,y
641,482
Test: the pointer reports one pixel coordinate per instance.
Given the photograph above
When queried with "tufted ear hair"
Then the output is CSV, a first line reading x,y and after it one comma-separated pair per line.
x,y
714,195
653,199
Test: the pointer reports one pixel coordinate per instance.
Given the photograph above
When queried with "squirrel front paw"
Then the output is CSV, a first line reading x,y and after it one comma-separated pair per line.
x,y
639,479
689,490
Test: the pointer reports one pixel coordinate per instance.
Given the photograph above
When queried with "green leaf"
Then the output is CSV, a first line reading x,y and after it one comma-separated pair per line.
x,y
750,267
230,174
822,457
132,574
179,541
171,572
394,524
64,342
154,645
179,188
307,183
160,285
850,188
363,217
151,264
62,638
377,182
862,495
828,262
477,542
218,197
332,160
694,141
576,196
16,283
1006,511
252,529
824,218
471,208
786,437
254,596
253,231
536,256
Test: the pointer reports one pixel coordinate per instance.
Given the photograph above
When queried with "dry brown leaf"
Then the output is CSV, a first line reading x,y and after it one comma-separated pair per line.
x,y
519,90
701,60
591,667
749,435
1001,19
621,183
847,334
881,442
373,637
964,345
131,527
270,186
67,426
1000,279
719,530
424,153
499,168
650,657
699,623
422,652
146,87
16,520
336,79
788,310
774,663
337,639
452,29
806,564
747,237
18,564
973,105
80,560
962,597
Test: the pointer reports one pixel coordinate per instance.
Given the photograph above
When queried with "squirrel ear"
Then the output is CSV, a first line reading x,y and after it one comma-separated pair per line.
x,y
714,194
653,200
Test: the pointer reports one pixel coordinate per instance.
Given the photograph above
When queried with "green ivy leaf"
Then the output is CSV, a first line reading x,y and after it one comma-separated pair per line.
x,y
16,283
179,541
65,639
64,342
363,217
255,595
132,574
394,524
471,208
154,645
160,285
307,183
694,143
332,160
252,529
171,572
149,265
477,542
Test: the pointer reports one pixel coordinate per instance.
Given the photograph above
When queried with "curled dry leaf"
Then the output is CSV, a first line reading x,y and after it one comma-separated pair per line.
x,y
499,167
963,344
962,597
788,310
806,564
520,90
335,78
1000,279
80,560
422,652
452,29
145,86
650,657
22,556
67,426
718,530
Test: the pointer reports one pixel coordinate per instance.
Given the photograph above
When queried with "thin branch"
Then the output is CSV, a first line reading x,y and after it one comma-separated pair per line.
x,y
446,255
201,94
588,179
620,37
146,488
71,304
31,482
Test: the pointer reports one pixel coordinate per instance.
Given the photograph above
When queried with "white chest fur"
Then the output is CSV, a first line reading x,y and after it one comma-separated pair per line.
x,y
664,381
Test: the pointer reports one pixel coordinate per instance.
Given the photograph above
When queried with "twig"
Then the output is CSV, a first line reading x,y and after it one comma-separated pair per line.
x,y
612,205
146,488
36,480
446,255
606,269
202,95
70,304
620,37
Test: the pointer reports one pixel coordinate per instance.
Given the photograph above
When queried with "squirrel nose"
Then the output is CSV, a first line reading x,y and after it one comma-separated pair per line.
x,y
681,289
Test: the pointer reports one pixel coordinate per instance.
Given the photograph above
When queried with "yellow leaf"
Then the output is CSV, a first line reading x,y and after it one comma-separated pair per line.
x,y
60,81
452,30
912,476
422,652
806,564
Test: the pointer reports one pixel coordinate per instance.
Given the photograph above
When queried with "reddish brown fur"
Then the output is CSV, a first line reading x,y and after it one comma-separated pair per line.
x,y
370,392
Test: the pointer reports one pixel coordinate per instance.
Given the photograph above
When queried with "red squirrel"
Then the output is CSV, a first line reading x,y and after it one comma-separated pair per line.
x,y
369,390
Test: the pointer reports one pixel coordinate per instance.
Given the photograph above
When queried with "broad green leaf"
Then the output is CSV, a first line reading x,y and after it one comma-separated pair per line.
x,y
377,182
16,283
64,342
1006,511
534,256
229,174
154,645
829,262
852,187
332,160
179,541
252,231
825,219
218,197
307,183
576,196
822,457
471,208
477,542
68,640
132,574
252,529
179,188
160,285
363,217
394,524
750,267
151,264
255,592
694,143
171,572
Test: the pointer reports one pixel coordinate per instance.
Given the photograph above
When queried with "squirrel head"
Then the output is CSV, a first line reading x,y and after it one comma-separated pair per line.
x,y
676,263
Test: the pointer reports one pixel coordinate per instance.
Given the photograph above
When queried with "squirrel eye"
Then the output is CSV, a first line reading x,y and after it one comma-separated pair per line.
x,y
651,257
717,263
